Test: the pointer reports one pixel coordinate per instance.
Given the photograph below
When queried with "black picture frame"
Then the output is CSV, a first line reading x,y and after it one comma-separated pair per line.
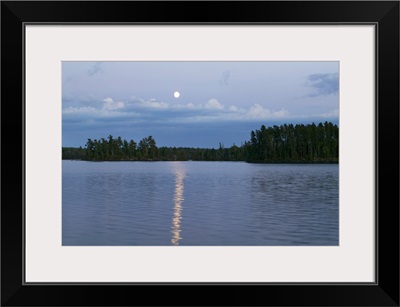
x,y
383,14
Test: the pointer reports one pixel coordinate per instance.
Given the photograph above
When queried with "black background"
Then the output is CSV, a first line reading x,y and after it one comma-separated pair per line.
x,y
384,293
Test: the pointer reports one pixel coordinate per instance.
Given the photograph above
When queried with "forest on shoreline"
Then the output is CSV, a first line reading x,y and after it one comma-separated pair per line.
x,y
286,143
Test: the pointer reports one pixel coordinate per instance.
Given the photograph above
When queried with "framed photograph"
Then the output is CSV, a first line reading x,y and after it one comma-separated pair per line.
x,y
239,146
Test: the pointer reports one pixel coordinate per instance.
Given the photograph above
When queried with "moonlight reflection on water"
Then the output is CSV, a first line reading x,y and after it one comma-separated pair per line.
x,y
178,199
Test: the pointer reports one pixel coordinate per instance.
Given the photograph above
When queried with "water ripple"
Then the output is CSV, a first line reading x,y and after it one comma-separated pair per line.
x,y
199,203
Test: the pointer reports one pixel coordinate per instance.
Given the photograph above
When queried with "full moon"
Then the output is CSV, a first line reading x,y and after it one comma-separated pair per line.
x,y
177,94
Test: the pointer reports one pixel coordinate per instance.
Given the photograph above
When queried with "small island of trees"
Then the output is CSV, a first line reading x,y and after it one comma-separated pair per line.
x,y
286,143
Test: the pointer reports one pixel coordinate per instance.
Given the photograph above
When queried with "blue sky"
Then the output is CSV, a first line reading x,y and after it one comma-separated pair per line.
x,y
219,102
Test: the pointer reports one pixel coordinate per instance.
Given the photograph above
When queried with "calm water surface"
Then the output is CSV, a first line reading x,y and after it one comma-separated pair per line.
x,y
199,203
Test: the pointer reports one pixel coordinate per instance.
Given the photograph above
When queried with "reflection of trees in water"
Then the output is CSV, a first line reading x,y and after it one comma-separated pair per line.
x,y
299,208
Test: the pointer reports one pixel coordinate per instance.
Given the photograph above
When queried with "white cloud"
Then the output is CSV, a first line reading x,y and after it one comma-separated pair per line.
x,y
257,111
210,111
110,104
234,113
332,113
80,110
214,104
281,113
154,104
187,106
90,112
234,109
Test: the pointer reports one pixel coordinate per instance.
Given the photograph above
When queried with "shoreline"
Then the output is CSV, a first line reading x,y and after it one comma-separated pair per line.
x,y
250,162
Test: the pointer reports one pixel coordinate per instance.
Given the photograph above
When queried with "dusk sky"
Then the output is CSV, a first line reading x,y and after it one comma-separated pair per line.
x,y
219,102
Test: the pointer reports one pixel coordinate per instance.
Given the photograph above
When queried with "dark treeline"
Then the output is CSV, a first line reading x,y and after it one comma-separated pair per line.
x,y
299,143
285,143
116,149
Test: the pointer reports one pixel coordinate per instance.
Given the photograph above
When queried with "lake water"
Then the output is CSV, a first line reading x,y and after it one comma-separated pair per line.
x,y
199,203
